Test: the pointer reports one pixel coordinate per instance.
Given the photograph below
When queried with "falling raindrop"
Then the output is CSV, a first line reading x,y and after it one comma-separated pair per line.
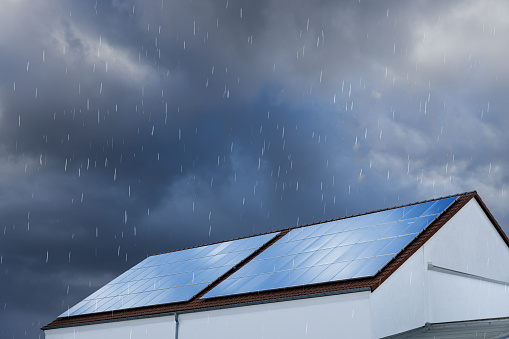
x,y
47,256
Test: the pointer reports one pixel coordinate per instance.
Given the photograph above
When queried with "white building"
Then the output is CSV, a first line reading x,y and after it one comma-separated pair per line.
x,y
438,268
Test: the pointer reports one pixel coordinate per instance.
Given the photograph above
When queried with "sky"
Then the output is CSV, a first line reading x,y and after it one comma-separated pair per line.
x,y
130,128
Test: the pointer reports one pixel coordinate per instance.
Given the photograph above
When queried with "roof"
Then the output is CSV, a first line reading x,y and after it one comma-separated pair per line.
x,y
201,300
486,329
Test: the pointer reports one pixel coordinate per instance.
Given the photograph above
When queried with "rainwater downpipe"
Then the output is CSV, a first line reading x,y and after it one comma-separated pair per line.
x,y
176,325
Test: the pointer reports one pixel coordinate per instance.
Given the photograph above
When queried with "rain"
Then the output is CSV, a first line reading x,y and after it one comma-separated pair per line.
x,y
129,129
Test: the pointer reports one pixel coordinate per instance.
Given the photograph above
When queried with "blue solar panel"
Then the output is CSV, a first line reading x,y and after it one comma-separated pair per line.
x,y
349,248
170,277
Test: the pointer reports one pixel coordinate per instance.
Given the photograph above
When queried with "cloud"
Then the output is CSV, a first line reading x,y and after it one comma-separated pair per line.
x,y
134,128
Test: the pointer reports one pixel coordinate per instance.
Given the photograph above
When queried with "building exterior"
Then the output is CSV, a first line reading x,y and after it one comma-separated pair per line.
x,y
432,268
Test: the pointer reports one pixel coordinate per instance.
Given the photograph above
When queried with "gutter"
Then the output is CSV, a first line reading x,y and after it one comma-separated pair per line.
x,y
432,267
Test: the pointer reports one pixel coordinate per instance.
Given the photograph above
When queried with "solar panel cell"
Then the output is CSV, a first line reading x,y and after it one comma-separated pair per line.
x,y
396,244
371,266
334,254
350,269
329,272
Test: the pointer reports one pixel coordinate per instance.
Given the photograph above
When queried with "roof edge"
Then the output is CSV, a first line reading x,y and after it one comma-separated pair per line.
x,y
492,219
212,308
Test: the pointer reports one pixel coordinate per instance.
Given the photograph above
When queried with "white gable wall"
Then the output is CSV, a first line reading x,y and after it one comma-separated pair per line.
x,y
398,304
414,295
147,328
467,243
337,316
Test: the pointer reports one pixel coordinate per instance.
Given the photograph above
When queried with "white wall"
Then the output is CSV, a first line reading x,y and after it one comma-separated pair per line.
x,y
467,243
148,328
455,298
398,304
340,316
414,295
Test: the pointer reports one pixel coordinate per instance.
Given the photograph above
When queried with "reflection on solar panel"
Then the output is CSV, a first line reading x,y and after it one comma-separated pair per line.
x,y
338,250
170,277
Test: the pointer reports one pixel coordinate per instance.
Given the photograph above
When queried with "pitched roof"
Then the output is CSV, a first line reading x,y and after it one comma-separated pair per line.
x,y
201,301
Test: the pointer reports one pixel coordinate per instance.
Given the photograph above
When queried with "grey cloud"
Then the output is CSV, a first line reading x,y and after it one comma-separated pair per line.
x,y
157,127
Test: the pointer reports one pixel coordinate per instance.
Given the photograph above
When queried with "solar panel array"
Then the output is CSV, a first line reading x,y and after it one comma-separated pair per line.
x,y
170,277
350,248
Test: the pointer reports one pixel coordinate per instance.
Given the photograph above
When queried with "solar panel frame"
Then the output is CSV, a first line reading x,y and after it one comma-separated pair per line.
x,y
170,277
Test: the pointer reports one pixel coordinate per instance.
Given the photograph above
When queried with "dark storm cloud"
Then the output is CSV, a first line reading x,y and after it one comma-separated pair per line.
x,y
128,129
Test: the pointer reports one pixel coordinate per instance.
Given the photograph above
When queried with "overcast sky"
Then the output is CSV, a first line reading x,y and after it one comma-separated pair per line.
x,y
129,128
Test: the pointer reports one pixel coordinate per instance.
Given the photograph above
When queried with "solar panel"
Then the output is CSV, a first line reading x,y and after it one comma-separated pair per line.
x,y
170,277
345,249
